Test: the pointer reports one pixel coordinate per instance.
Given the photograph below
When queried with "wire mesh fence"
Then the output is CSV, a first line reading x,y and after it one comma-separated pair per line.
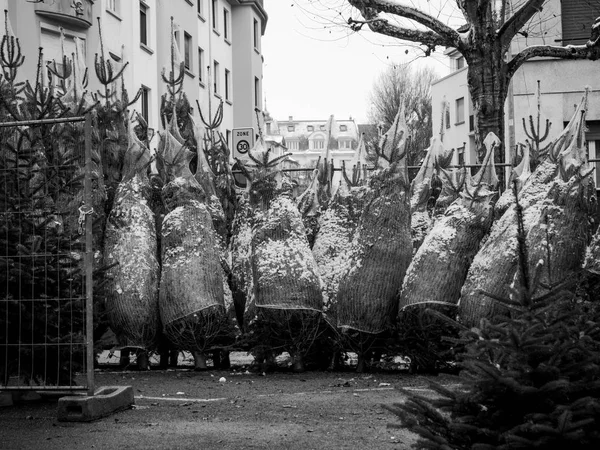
x,y
45,255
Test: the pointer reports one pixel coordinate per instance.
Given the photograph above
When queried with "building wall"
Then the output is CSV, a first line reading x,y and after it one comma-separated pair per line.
x,y
121,36
445,93
247,59
562,86
342,131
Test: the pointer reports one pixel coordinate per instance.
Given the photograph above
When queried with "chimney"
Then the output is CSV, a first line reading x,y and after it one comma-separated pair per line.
x,y
291,118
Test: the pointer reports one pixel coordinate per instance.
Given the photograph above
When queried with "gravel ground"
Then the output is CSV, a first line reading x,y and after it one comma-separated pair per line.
x,y
233,409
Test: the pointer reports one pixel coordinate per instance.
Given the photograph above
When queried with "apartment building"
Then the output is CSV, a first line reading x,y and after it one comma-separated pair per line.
x,y
219,42
562,84
306,139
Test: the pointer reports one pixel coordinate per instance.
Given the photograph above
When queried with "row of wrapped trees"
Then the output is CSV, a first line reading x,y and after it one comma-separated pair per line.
x,y
184,261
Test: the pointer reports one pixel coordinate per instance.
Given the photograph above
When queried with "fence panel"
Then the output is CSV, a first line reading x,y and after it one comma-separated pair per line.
x,y
45,255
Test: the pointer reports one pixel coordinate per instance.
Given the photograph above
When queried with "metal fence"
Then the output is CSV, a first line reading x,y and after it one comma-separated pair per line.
x,y
46,314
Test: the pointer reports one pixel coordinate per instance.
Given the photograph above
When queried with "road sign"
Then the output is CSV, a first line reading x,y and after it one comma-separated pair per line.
x,y
243,141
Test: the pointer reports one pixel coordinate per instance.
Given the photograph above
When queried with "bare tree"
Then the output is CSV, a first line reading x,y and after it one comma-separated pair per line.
x,y
412,86
482,31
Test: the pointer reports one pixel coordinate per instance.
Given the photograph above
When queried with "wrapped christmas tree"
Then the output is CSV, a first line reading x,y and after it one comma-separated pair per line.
x,y
191,299
438,270
556,183
285,302
337,226
422,190
130,252
527,381
381,249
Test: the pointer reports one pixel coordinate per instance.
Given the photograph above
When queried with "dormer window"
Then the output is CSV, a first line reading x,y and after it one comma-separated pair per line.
x,y
343,128
310,128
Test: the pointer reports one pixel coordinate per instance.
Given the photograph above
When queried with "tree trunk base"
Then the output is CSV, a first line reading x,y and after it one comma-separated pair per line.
x,y
143,361
199,361
298,364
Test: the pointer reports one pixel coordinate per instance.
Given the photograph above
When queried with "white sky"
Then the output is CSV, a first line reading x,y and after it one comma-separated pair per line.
x,y
313,69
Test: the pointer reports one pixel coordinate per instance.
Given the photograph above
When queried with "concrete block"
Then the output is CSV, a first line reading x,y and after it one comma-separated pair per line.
x,y
105,401
6,398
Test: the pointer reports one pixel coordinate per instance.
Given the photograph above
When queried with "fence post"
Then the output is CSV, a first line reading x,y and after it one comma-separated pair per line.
x,y
89,256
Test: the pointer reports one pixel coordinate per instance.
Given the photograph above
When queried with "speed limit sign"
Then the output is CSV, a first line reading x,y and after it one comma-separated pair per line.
x,y
243,141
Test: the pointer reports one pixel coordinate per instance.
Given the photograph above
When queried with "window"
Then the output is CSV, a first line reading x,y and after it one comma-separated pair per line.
x,y
256,92
460,110
344,143
291,128
215,20
225,24
310,128
256,34
187,48
447,118
318,144
461,156
343,128
200,65
113,6
216,77
596,163
143,24
201,7
145,103
322,127
293,145
460,62
227,137
53,50
577,17
227,84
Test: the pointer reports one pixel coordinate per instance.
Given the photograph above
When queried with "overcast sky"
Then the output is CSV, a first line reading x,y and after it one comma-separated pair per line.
x,y
313,69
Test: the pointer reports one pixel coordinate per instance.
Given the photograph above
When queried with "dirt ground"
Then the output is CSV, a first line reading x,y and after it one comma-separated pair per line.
x,y
228,409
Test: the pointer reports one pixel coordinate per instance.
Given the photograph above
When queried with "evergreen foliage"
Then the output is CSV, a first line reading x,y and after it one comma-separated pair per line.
x,y
42,282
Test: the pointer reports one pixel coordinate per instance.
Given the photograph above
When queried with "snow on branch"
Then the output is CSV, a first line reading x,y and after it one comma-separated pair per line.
x,y
519,19
439,34
590,50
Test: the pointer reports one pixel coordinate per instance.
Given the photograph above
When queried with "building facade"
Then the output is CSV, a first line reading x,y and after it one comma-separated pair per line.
x,y
307,140
219,42
561,86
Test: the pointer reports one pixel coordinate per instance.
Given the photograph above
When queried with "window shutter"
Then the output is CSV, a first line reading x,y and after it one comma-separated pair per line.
x,y
577,18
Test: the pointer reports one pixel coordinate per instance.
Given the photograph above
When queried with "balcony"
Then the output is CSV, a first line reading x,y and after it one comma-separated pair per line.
x,y
76,13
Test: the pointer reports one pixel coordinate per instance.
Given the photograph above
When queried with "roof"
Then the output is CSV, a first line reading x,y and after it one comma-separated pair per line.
x,y
312,129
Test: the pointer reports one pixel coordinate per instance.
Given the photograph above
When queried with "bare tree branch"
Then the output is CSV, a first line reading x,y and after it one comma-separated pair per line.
x,y
591,51
518,20
468,8
440,33
391,7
